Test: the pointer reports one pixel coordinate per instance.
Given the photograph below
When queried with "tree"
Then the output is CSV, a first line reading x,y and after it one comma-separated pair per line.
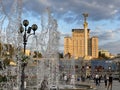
x,y
37,54
60,55
6,48
10,49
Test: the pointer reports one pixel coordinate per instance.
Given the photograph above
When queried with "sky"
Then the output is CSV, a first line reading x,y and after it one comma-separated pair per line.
x,y
103,20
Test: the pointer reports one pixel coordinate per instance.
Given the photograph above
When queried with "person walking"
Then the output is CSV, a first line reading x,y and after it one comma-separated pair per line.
x,y
44,84
99,79
96,79
110,82
72,82
65,79
105,80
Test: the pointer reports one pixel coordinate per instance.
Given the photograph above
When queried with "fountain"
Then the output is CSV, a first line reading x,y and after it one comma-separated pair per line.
x,y
41,73
9,23
49,44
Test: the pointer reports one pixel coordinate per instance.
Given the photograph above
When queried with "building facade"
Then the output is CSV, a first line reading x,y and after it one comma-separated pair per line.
x,y
75,45
105,53
80,44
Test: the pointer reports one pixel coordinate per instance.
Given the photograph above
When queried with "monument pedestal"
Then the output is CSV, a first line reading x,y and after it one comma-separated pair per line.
x,y
87,58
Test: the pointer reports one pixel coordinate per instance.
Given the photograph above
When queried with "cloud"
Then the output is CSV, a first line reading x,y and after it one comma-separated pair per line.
x,y
113,47
105,35
97,9
108,35
108,39
70,12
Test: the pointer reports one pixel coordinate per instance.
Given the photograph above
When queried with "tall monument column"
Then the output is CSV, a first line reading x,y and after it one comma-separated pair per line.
x,y
85,34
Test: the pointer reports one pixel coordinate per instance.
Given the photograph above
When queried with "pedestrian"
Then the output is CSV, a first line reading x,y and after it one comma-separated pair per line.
x,y
105,80
44,84
65,79
78,79
100,79
119,78
96,79
110,82
72,82
82,78
93,78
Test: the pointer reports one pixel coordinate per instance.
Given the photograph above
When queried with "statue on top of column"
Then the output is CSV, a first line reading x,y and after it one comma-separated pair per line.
x,y
85,16
85,20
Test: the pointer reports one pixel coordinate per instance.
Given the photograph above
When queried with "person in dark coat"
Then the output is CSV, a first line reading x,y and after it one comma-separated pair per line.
x,y
97,79
105,80
110,82
44,85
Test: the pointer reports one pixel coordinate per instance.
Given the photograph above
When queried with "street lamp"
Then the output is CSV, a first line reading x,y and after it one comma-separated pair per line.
x,y
26,33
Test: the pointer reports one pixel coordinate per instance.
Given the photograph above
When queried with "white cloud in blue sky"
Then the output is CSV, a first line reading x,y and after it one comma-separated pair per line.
x,y
104,17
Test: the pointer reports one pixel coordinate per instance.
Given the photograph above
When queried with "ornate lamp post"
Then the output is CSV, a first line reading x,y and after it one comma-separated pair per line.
x,y
26,33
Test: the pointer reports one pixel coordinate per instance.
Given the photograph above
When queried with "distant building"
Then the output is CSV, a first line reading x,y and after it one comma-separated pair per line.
x,y
118,55
105,53
80,44
27,52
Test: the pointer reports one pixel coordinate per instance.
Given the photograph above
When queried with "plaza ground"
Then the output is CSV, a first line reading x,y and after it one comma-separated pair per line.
x,y
116,85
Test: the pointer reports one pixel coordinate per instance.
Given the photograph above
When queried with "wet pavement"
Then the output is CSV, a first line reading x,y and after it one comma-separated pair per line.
x,y
115,86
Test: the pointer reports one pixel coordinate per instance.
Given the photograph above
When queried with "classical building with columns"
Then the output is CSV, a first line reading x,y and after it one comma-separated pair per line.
x,y
80,44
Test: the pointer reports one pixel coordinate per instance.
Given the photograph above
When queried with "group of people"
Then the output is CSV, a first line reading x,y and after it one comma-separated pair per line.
x,y
70,78
97,79
108,79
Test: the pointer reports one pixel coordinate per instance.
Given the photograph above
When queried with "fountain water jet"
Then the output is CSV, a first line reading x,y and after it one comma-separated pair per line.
x,y
9,26
49,45
47,42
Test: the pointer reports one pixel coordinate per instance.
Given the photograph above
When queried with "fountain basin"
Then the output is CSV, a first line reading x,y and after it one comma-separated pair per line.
x,y
76,87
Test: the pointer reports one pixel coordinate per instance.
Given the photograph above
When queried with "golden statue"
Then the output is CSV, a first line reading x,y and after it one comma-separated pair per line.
x,y
85,16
